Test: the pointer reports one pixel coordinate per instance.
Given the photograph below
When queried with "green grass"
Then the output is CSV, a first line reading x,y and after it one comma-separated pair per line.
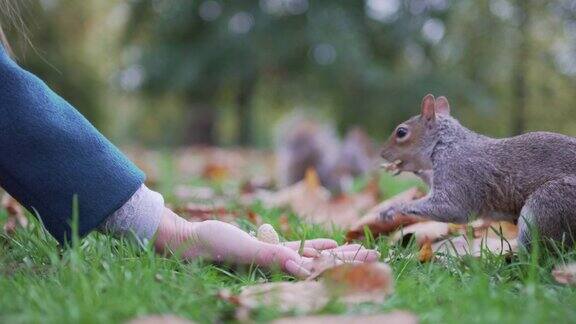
x,y
103,280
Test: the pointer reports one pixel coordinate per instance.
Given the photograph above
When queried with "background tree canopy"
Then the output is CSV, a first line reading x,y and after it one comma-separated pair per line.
x,y
223,72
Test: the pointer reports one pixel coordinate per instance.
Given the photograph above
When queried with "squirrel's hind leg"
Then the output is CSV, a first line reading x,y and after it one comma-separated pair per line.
x,y
551,210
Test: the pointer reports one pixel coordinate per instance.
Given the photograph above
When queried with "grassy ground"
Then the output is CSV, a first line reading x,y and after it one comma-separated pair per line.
x,y
105,280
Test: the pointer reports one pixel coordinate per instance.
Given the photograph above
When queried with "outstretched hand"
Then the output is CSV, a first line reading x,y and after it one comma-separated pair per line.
x,y
223,242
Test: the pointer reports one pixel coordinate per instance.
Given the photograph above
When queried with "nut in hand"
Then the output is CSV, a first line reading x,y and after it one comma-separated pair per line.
x,y
267,234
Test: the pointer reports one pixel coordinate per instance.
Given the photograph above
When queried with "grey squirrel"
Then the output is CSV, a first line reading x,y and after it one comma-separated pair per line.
x,y
304,142
529,178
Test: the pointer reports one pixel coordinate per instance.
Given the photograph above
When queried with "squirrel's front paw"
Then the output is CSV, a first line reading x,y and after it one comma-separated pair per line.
x,y
388,214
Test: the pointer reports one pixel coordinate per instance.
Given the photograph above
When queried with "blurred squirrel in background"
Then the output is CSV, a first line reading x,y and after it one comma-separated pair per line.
x,y
303,142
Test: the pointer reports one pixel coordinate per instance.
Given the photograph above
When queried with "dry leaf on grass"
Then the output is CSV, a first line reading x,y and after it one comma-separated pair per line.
x,y
372,218
307,189
397,317
423,232
159,319
432,238
200,212
565,274
214,163
255,184
196,212
426,254
460,246
16,216
358,283
226,164
216,171
285,227
301,296
312,202
367,282
488,228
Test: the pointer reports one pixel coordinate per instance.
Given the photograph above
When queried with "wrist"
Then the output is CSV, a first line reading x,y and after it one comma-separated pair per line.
x,y
138,218
175,235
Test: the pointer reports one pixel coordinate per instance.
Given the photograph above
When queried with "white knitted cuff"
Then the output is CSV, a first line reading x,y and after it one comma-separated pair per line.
x,y
139,216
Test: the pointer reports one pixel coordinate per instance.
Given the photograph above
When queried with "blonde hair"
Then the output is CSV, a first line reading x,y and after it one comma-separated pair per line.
x,y
4,42
10,18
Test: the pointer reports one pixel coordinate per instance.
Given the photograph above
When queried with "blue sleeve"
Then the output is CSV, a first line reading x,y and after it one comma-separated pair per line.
x,y
50,153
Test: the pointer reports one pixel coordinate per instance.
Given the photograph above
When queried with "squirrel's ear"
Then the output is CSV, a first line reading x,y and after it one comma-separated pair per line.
x,y
428,107
442,106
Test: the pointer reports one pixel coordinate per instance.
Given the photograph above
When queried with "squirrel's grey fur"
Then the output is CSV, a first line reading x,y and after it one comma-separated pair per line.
x,y
530,178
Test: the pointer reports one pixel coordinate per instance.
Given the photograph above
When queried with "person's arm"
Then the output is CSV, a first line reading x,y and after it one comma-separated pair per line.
x,y
49,154
145,217
223,242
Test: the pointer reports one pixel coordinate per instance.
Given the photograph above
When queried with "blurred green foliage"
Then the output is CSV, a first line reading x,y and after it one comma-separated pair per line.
x,y
224,71
53,44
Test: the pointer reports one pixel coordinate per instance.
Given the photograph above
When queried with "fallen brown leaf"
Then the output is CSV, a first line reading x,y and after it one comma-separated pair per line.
x,y
433,237
313,203
565,274
428,231
251,186
372,218
16,217
254,218
200,212
308,188
285,227
397,317
494,229
426,254
301,296
368,282
357,283
196,212
215,163
159,319
215,171
460,246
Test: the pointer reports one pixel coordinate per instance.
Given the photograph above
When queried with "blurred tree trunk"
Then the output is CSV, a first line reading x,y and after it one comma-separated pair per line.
x,y
244,103
520,71
200,123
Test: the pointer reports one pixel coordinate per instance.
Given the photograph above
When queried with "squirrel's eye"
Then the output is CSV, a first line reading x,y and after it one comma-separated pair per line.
x,y
401,132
